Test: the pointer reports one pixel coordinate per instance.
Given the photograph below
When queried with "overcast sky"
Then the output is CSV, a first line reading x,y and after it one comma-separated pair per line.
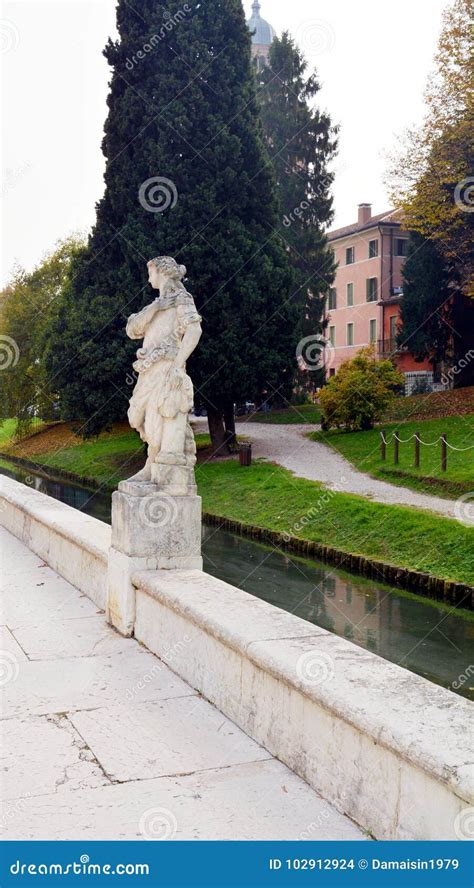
x,y
372,59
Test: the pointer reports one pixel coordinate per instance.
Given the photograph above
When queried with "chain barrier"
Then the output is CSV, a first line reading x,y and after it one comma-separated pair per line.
x,y
416,438
395,437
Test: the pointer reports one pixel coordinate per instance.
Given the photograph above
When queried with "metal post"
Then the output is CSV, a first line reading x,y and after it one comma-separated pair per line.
x,y
444,454
383,449
395,449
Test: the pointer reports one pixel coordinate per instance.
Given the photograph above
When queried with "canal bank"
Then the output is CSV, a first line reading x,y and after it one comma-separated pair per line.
x,y
408,548
429,639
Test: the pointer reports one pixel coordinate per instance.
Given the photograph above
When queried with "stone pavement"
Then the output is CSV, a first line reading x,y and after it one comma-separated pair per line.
x,y
102,740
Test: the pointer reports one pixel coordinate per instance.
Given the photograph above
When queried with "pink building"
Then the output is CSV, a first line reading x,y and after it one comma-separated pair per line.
x,y
364,304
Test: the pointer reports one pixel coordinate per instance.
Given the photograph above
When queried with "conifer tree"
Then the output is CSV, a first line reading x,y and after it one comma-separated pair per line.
x,y
186,175
428,304
302,143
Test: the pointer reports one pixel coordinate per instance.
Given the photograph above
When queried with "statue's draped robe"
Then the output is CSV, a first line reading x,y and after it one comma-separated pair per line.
x,y
162,390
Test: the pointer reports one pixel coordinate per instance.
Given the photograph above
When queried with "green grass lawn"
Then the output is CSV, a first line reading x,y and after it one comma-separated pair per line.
x,y
8,430
104,459
269,496
363,450
290,415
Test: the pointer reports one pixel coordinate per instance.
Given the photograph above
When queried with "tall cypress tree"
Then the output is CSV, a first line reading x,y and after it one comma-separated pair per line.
x,y
301,142
182,108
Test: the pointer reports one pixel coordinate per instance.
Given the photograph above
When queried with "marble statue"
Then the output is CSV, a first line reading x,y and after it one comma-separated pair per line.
x,y
163,395
156,514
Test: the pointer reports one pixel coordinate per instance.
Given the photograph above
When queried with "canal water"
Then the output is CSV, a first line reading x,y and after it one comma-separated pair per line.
x,y
420,635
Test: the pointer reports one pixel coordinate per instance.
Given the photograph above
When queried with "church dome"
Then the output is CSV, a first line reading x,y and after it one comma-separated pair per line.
x,y
261,31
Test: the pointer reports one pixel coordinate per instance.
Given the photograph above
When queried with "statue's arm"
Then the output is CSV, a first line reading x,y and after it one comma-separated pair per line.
x,y
137,323
188,343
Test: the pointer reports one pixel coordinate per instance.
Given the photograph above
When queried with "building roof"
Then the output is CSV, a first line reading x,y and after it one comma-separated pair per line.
x,y
262,32
390,217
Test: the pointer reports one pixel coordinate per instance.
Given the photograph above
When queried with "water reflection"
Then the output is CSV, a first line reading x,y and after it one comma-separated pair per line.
x,y
93,502
419,635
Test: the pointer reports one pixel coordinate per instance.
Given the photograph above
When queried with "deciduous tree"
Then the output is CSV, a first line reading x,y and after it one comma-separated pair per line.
x,y
28,306
431,178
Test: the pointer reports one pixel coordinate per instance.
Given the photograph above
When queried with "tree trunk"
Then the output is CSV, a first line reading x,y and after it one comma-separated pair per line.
x,y
229,423
216,431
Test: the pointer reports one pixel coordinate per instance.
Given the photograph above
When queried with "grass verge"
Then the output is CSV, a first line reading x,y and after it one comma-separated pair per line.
x,y
363,450
271,497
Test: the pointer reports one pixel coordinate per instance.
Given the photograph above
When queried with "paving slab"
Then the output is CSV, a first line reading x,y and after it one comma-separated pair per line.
x,y
80,637
257,801
40,595
101,740
40,754
51,686
10,650
156,739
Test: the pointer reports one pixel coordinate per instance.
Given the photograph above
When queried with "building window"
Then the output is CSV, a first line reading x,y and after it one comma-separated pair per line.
x,y
350,294
401,245
373,249
393,327
332,336
332,299
350,334
349,255
372,330
371,289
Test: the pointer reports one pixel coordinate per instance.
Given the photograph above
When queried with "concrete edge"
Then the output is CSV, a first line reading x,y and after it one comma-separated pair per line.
x,y
73,544
414,725
50,512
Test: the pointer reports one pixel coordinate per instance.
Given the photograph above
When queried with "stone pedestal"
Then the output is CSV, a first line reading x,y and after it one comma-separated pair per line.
x,y
154,527
176,480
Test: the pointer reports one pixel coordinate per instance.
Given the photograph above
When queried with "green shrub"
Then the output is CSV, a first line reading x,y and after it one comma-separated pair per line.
x,y
360,392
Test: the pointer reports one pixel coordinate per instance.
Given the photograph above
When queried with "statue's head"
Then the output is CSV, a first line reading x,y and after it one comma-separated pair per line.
x,y
164,268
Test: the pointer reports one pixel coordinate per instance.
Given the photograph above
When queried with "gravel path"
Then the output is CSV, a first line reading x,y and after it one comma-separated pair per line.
x,y
286,445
